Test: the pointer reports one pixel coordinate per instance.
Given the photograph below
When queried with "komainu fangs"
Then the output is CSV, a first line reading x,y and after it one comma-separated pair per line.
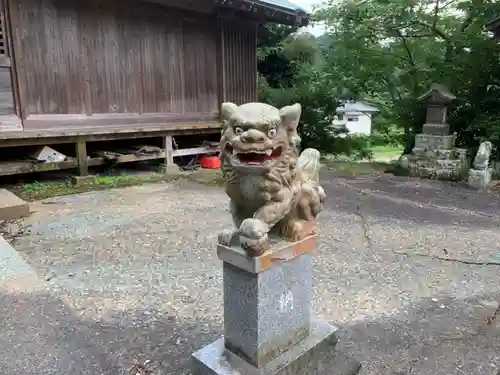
x,y
272,189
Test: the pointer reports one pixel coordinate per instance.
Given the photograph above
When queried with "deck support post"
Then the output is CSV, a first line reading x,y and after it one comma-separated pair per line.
x,y
169,167
168,145
81,155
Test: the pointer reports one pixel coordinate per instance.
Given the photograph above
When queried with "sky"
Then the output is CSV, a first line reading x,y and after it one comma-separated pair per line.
x,y
307,5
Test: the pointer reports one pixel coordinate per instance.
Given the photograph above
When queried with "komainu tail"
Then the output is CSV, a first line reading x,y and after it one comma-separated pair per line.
x,y
308,165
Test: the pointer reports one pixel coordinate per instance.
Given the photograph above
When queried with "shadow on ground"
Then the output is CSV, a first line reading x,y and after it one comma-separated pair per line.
x,y
413,200
439,336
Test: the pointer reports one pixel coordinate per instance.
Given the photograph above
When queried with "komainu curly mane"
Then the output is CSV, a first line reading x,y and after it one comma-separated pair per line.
x,y
271,187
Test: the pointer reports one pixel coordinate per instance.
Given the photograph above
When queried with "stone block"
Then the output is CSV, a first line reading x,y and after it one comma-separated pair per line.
x,y
444,154
413,168
82,180
12,207
266,313
436,129
426,172
313,355
480,179
434,142
424,163
282,251
448,164
418,151
461,154
445,173
173,169
430,154
404,162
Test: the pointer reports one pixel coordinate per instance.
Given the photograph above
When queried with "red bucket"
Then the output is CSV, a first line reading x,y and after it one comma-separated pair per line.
x,y
210,162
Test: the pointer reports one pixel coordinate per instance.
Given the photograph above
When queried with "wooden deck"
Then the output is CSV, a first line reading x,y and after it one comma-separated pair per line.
x,y
83,71
55,136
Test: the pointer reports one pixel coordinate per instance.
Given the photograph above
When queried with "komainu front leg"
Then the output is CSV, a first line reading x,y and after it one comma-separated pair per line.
x,y
229,237
254,231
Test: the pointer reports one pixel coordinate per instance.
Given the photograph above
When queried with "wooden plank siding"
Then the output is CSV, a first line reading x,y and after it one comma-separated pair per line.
x,y
9,119
240,61
90,64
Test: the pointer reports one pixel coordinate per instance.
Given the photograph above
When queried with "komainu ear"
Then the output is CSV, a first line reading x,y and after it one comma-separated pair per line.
x,y
290,116
227,110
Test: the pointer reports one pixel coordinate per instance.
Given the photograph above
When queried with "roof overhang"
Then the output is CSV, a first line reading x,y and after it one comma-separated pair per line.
x,y
264,12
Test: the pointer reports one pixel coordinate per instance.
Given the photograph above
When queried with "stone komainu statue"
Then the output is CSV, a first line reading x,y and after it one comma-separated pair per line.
x,y
482,158
272,188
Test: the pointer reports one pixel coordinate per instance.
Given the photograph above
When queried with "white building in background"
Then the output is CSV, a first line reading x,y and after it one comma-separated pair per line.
x,y
357,117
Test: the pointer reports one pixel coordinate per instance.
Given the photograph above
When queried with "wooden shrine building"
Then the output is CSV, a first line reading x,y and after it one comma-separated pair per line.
x,y
80,71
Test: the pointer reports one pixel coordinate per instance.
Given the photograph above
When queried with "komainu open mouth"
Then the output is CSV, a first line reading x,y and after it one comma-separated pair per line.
x,y
255,157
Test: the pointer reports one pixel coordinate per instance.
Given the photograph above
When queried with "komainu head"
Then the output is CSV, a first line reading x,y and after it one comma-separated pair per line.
x,y
257,135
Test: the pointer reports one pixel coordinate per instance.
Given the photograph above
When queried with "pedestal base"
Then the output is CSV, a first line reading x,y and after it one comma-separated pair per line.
x,y
480,179
314,355
173,169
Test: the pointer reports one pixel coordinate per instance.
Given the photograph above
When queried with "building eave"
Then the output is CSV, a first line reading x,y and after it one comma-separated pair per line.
x,y
264,12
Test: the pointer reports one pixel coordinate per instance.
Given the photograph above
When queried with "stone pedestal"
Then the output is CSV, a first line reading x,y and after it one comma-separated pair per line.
x,y
480,179
436,157
436,129
268,327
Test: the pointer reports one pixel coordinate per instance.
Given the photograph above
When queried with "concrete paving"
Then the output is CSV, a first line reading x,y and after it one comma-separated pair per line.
x,y
408,267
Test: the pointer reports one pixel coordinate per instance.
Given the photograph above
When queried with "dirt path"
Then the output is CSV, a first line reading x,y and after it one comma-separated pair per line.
x,y
410,268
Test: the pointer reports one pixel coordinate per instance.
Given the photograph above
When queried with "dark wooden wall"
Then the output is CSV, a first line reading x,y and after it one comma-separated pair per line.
x,y
240,61
9,119
96,62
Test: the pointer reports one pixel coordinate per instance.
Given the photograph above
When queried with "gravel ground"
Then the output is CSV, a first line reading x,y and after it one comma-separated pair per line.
x,y
409,268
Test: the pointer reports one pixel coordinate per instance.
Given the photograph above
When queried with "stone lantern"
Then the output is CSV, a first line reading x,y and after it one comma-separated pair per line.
x,y
438,99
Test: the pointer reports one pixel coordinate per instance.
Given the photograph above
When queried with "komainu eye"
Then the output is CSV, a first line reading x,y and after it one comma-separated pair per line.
x,y
271,133
238,130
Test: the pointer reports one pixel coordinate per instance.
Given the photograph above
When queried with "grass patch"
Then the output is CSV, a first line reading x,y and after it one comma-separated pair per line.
x,y
386,152
354,168
47,189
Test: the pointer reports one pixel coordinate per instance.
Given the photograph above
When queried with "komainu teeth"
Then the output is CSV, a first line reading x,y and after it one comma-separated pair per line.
x,y
269,152
234,152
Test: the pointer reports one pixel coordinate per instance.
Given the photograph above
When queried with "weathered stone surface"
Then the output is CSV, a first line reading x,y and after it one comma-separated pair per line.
x,y
12,207
480,179
82,180
444,154
434,142
446,173
461,154
272,189
447,163
282,251
268,312
436,129
482,159
173,169
313,355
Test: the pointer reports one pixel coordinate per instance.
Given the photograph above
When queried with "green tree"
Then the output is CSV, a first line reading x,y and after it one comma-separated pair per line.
x,y
389,52
291,69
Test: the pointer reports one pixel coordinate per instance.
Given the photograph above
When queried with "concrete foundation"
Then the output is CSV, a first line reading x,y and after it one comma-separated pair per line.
x,y
173,169
12,207
82,180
